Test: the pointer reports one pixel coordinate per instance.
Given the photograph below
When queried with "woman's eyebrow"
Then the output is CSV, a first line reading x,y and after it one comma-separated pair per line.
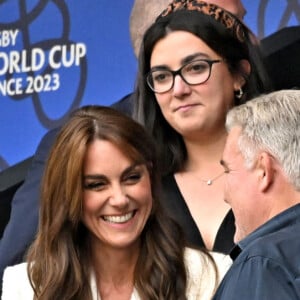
x,y
131,168
193,56
101,176
185,60
94,176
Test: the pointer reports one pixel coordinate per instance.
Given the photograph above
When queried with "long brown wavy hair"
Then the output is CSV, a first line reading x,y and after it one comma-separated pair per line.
x,y
59,260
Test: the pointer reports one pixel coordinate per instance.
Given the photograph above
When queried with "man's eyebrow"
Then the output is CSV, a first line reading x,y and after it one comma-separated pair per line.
x,y
223,163
225,166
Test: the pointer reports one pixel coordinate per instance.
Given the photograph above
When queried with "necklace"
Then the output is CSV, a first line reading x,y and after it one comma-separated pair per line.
x,y
212,180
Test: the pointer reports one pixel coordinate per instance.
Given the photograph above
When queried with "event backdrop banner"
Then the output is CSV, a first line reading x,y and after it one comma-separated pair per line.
x,y
57,55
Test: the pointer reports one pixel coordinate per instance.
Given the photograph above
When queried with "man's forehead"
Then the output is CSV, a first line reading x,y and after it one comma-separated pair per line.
x,y
232,138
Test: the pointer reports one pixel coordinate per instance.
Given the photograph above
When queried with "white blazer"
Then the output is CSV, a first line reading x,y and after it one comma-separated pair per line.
x,y
200,283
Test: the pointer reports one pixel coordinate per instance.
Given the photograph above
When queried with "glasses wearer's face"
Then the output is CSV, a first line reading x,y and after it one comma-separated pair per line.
x,y
161,80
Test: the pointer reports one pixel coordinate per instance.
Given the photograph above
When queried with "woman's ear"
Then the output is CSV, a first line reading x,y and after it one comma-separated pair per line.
x,y
245,66
244,71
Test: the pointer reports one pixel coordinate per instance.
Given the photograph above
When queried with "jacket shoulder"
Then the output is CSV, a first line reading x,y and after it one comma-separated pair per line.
x,y
16,284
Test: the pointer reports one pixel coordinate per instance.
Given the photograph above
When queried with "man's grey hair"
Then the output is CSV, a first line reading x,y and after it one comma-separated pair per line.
x,y
270,123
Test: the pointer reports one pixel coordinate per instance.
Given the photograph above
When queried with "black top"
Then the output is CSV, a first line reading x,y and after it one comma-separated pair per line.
x,y
176,207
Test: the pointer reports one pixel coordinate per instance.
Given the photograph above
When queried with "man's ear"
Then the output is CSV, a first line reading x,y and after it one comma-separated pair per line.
x,y
265,171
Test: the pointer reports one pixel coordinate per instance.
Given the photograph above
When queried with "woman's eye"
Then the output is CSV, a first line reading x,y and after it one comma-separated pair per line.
x,y
198,67
160,77
94,185
133,177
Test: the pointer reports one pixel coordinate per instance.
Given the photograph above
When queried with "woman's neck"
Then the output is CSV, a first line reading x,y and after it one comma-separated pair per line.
x,y
204,152
114,271
115,265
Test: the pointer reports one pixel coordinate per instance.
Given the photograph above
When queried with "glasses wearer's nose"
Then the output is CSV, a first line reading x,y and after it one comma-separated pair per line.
x,y
161,80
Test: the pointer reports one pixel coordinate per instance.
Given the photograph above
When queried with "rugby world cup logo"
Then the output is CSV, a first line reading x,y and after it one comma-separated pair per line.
x,y
38,60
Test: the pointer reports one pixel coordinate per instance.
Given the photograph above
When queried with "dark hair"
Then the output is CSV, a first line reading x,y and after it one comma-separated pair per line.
x,y
59,265
146,110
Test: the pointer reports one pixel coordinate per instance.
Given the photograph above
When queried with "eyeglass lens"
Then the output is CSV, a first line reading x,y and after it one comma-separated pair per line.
x,y
195,72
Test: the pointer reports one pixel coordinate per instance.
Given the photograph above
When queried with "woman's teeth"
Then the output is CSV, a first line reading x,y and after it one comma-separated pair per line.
x,y
118,219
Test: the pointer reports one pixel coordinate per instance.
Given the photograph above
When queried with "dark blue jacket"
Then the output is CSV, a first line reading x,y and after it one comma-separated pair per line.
x,y
267,262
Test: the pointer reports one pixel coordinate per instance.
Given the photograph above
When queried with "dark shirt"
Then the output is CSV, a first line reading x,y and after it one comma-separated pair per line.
x,y
125,105
175,205
267,262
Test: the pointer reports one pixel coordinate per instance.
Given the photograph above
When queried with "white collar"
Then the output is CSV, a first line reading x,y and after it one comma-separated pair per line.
x,y
96,295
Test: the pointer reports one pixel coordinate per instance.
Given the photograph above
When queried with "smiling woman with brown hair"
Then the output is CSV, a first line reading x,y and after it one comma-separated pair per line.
x,y
102,231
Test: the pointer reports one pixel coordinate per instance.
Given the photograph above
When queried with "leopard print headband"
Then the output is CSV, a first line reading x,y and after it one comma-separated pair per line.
x,y
228,20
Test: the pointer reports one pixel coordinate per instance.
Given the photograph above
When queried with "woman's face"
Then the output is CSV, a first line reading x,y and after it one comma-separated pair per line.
x,y
117,198
193,109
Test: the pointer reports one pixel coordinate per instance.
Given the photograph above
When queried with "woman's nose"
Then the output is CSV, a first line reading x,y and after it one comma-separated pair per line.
x,y
119,196
180,87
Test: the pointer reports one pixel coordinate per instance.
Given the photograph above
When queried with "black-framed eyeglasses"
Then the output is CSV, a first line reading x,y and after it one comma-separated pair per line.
x,y
161,80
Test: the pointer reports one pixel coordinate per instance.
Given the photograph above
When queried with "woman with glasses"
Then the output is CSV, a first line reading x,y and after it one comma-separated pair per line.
x,y
196,62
